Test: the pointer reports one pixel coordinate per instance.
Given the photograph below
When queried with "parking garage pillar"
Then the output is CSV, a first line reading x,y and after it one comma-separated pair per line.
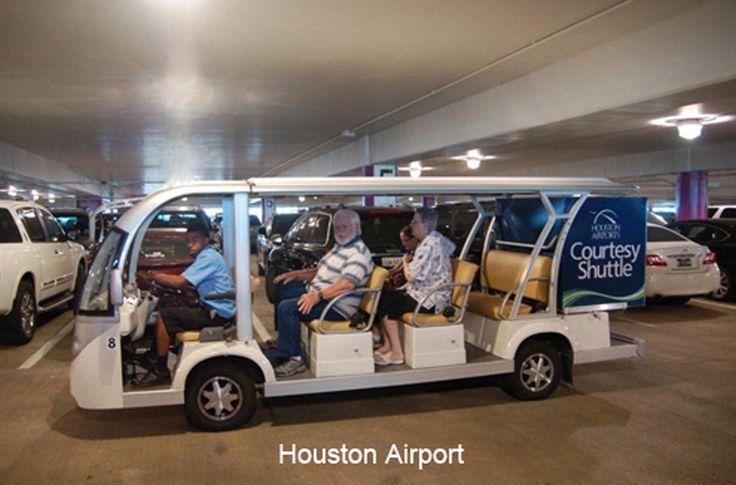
x,y
368,200
692,195
428,202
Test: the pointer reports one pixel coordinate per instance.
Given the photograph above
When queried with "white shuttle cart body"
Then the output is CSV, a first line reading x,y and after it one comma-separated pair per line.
x,y
217,373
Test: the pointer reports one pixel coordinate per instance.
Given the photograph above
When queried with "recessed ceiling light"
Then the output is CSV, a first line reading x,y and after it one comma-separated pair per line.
x,y
473,158
415,169
690,125
302,198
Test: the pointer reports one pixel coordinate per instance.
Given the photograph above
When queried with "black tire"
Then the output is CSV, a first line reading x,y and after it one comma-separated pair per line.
x,y
20,324
537,371
725,290
241,390
78,286
270,287
677,300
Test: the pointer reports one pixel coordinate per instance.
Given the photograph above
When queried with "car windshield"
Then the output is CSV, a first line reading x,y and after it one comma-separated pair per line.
x,y
95,296
712,211
165,248
74,222
381,227
175,220
282,223
660,234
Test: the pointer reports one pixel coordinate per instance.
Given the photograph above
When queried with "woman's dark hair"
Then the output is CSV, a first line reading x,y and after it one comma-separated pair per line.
x,y
406,231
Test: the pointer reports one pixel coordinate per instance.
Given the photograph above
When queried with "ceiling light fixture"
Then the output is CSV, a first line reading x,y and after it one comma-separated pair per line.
x,y
415,169
302,198
690,125
473,158
12,191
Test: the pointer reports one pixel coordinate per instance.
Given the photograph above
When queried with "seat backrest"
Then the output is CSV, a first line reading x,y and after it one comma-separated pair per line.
x,y
378,277
463,272
504,269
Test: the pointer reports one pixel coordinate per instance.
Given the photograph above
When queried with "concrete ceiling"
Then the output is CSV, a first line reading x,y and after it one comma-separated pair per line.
x,y
143,92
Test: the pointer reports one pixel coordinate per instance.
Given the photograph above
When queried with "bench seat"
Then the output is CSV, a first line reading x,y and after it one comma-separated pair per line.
x,y
490,305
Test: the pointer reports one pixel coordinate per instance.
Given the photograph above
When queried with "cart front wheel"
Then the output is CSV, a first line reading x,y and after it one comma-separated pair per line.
x,y
219,397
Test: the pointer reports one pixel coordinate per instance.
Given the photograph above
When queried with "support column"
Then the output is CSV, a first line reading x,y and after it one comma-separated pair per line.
x,y
368,200
692,195
428,202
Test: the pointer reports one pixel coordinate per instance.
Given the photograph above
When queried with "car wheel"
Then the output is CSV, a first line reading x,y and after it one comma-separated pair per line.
x,y
219,397
725,287
20,323
78,286
537,371
270,287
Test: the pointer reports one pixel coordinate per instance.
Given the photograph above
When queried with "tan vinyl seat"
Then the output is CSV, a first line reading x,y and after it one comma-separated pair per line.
x,y
463,276
503,271
367,303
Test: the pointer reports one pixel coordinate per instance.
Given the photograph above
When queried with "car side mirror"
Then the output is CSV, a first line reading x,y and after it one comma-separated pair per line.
x,y
277,239
116,287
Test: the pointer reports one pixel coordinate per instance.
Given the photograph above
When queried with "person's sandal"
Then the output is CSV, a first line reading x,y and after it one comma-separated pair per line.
x,y
381,360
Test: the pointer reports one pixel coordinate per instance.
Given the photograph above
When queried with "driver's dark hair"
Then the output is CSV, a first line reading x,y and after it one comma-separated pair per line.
x,y
200,228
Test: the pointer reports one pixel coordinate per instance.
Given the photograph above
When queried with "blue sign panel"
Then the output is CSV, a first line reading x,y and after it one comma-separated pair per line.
x,y
603,258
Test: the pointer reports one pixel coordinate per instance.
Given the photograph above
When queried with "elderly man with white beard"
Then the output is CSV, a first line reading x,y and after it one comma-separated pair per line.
x,y
301,296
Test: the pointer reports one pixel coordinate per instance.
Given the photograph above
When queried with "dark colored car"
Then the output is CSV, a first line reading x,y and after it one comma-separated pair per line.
x,y
255,224
75,223
310,237
720,237
456,220
272,235
164,247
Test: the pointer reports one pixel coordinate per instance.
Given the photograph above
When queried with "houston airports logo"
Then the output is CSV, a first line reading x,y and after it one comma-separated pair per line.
x,y
605,226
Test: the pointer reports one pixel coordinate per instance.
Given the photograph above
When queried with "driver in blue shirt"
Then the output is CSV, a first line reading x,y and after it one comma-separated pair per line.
x,y
209,274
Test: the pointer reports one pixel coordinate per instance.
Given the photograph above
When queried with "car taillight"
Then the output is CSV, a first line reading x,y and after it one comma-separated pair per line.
x,y
710,258
655,260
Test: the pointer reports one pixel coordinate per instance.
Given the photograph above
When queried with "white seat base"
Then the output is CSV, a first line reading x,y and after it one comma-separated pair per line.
x,y
434,346
341,354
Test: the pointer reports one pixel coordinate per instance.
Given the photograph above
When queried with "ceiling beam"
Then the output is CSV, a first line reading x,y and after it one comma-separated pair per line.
x,y
689,51
15,162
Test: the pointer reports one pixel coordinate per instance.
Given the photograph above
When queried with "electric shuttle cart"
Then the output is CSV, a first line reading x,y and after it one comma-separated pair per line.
x,y
523,321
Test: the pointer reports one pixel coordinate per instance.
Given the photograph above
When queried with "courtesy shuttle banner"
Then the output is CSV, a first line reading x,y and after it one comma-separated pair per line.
x,y
604,255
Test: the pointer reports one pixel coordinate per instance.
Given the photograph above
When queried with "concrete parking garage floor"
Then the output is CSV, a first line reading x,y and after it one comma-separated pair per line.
x,y
667,418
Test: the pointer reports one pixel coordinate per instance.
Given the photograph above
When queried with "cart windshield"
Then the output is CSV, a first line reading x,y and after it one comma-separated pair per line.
x,y
96,294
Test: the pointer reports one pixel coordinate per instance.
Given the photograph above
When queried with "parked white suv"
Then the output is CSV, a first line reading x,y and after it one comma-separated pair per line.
x,y
721,211
39,268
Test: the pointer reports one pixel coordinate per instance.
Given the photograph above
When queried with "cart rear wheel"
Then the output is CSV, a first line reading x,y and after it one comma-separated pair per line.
x,y
537,372
219,397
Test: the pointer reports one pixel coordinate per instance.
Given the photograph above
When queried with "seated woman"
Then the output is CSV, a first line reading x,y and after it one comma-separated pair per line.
x,y
428,268
396,278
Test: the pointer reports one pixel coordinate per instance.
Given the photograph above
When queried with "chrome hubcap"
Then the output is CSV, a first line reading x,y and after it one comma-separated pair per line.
x,y
220,398
723,287
537,372
27,313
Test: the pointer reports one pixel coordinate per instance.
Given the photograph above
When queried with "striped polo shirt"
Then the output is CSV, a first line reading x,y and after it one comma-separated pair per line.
x,y
352,262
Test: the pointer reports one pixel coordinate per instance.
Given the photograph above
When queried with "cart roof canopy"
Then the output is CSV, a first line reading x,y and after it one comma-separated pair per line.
x,y
294,186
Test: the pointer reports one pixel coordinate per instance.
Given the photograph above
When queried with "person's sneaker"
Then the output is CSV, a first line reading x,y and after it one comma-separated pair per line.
x,y
294,365
152,377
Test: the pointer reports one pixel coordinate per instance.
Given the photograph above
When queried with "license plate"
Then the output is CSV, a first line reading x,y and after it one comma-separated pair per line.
x,y
684,263
390,261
